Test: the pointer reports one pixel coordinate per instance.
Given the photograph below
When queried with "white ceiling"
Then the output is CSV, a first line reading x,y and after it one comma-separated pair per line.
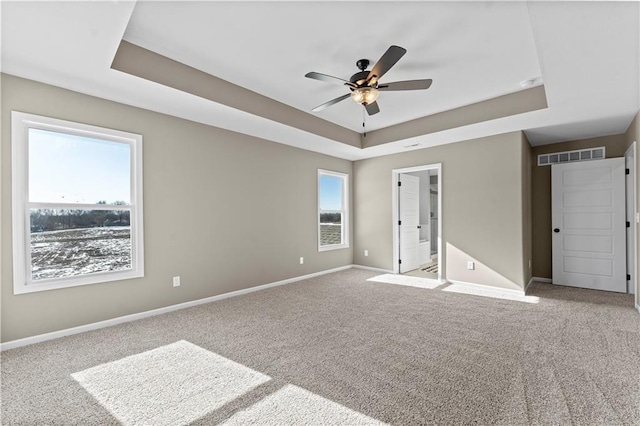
x,y
586,53
461,46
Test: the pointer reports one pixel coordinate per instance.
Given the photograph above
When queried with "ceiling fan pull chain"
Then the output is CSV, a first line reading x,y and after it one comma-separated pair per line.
x,y
364,117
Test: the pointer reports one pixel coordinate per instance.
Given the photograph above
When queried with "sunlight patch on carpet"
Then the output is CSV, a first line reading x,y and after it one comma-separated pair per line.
x,y
292,405
170,385
494,293
406,280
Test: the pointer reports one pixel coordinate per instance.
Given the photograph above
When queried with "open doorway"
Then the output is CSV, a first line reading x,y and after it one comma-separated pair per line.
x,y
417,221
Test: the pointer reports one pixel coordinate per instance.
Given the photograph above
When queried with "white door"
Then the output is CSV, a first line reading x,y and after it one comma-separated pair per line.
x,y
588,224
409,207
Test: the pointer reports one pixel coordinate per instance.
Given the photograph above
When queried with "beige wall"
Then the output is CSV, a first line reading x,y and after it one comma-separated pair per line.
x,y
632,135
222,210
615,146
482,208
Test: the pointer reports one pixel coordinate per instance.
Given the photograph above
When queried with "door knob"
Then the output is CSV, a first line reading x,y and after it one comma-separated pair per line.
x,y
556,230
419,227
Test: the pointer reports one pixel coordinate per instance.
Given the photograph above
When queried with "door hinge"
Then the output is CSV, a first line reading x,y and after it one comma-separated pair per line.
x,y
399,261
628,277
399,183
628,224
399,222
626,171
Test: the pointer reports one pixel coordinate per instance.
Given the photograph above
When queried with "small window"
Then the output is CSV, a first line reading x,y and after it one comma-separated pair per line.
x,y
333,211
77,204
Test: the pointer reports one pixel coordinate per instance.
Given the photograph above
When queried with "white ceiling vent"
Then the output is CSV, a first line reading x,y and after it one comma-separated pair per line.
x,y
570,156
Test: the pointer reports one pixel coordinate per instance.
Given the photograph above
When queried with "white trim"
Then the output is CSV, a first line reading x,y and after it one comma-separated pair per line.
x,y
346,230
637,307
490,287
22,280
633,220
526,287
78,206
133,317
542,280
370,268
395,174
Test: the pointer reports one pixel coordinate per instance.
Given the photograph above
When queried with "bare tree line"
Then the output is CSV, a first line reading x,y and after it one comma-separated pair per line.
x,y
57,219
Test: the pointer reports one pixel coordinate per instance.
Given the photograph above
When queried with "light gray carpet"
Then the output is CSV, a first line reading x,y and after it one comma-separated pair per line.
x,y
341,349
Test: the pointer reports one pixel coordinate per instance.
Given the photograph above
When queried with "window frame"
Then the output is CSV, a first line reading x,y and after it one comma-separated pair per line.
x,y
344,211
21,205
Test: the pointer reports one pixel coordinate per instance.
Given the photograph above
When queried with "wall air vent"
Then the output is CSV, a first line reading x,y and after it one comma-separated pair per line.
x,y
570,156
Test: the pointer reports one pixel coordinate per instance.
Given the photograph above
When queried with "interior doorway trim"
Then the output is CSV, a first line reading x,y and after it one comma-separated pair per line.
x,y
630,163
395,175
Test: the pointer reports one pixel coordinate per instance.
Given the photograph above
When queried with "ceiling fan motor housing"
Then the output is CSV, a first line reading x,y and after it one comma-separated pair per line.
x,y
359,78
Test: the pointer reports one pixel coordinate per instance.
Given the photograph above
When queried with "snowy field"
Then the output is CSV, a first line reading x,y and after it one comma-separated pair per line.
x,y
71,252
330,233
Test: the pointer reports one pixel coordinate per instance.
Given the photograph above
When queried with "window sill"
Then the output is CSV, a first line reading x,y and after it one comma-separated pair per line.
x,y
97,278
333,247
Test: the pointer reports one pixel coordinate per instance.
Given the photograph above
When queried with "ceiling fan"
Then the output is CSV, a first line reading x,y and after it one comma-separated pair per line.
x,y
365,85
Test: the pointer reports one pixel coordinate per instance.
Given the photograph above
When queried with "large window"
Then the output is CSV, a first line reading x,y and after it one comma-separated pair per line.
x,y
333,210
77,204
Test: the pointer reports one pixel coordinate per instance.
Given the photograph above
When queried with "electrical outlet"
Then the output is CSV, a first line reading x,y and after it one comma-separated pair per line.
x,y
176,281
302,260
471,265
366,252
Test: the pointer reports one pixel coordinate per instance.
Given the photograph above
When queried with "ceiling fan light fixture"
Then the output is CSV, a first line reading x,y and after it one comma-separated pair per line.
x,y
365,95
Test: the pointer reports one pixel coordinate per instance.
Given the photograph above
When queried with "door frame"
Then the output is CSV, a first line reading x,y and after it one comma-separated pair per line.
x,y
395,205
631,165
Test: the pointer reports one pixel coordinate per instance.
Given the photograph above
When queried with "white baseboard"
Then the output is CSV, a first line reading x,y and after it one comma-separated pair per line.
x,y
370,268
526,287
133,317
638,308
542,280
490,287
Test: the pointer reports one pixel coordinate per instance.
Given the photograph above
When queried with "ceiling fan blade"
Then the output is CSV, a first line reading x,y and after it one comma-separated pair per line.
x,y
384,64
331,102
406,85
328,79
372,108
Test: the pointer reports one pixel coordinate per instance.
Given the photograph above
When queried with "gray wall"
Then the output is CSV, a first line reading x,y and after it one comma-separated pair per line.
x,y
222,210
615,146
482,212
